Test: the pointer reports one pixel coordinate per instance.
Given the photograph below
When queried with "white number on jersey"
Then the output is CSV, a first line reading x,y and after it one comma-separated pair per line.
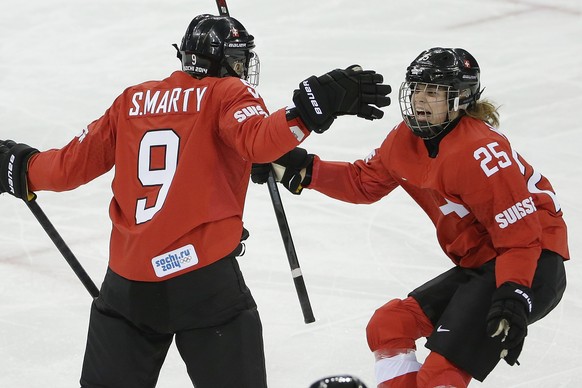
x,y
149,176
491,159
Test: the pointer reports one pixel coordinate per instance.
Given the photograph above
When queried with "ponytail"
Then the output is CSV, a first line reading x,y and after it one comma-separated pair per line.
x,y
484,110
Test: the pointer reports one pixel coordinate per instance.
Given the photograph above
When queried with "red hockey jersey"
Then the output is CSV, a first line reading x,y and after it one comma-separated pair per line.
x,y
182,150
484,199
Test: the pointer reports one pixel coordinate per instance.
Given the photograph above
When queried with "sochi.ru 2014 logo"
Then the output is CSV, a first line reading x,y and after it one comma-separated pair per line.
x,y
174,261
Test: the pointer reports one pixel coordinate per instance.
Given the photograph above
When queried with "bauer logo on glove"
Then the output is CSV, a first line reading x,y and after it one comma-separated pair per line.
x,y
352,91
14,167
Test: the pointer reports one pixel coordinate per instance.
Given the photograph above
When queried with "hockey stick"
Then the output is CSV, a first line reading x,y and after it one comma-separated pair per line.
x,y
63,248
283,226
222,8
290,249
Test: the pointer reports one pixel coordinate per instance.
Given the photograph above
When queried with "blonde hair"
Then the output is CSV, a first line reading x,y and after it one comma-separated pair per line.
x,y
486,111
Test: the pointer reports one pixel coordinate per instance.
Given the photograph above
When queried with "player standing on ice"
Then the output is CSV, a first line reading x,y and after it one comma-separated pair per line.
x,y
182,150
496,218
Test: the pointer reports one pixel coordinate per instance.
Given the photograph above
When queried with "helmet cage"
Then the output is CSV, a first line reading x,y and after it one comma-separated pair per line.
x,y
416,120
253,69
241,63
453,70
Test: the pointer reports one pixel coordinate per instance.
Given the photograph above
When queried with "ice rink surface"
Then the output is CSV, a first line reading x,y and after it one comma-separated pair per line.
x,y
63,62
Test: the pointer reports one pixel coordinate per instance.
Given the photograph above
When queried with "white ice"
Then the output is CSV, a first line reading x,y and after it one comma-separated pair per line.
x,y
63,62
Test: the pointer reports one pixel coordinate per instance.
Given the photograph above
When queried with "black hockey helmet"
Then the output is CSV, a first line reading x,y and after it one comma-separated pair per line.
x,y
452,69
344,381
219,46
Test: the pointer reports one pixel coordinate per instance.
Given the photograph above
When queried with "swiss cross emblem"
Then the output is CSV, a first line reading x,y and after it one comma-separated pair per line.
x,y
452,207
234,32
467,63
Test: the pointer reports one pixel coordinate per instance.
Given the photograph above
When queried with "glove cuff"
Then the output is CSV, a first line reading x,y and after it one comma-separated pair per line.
x,y
515,291
308,171
15,170
312,106
291,113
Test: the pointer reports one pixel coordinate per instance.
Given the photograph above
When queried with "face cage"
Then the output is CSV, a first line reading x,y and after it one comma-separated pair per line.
x,y
253,69
417,124
246,66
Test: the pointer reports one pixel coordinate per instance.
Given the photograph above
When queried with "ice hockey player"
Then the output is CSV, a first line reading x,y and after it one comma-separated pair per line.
x,y
496,217
182,149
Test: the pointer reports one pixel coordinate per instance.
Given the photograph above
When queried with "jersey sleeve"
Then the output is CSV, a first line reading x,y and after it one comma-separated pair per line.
x,y
245,124
87,156
365,181
494,188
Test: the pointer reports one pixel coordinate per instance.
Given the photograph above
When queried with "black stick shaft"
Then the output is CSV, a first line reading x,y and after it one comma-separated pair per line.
x,y
222,7
290,250
63,248
283,226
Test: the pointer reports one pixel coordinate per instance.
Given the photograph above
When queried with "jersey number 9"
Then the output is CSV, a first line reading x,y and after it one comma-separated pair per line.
x,y
156,176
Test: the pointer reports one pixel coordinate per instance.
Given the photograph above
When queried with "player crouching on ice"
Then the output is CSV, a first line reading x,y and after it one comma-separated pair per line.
x,y
496,218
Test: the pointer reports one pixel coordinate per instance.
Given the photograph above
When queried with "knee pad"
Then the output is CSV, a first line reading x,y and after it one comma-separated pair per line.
x,y
397,325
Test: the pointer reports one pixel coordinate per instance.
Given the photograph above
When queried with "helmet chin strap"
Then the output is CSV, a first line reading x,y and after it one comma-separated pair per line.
x,y
178,53
465,102
436,129
229,70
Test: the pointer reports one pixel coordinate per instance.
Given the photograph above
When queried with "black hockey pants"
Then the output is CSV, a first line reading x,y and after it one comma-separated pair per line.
x,y
209,312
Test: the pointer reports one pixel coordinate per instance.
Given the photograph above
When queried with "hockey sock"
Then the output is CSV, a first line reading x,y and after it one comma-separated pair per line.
x,y
437,371
396,370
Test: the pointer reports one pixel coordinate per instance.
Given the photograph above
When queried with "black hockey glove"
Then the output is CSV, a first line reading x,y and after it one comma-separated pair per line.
x,y
292,170
260,172
508,317
13,169
353,91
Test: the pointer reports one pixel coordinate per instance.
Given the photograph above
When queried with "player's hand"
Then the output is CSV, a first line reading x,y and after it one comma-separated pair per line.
x,y
292,170
508,316
14,167
350,91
